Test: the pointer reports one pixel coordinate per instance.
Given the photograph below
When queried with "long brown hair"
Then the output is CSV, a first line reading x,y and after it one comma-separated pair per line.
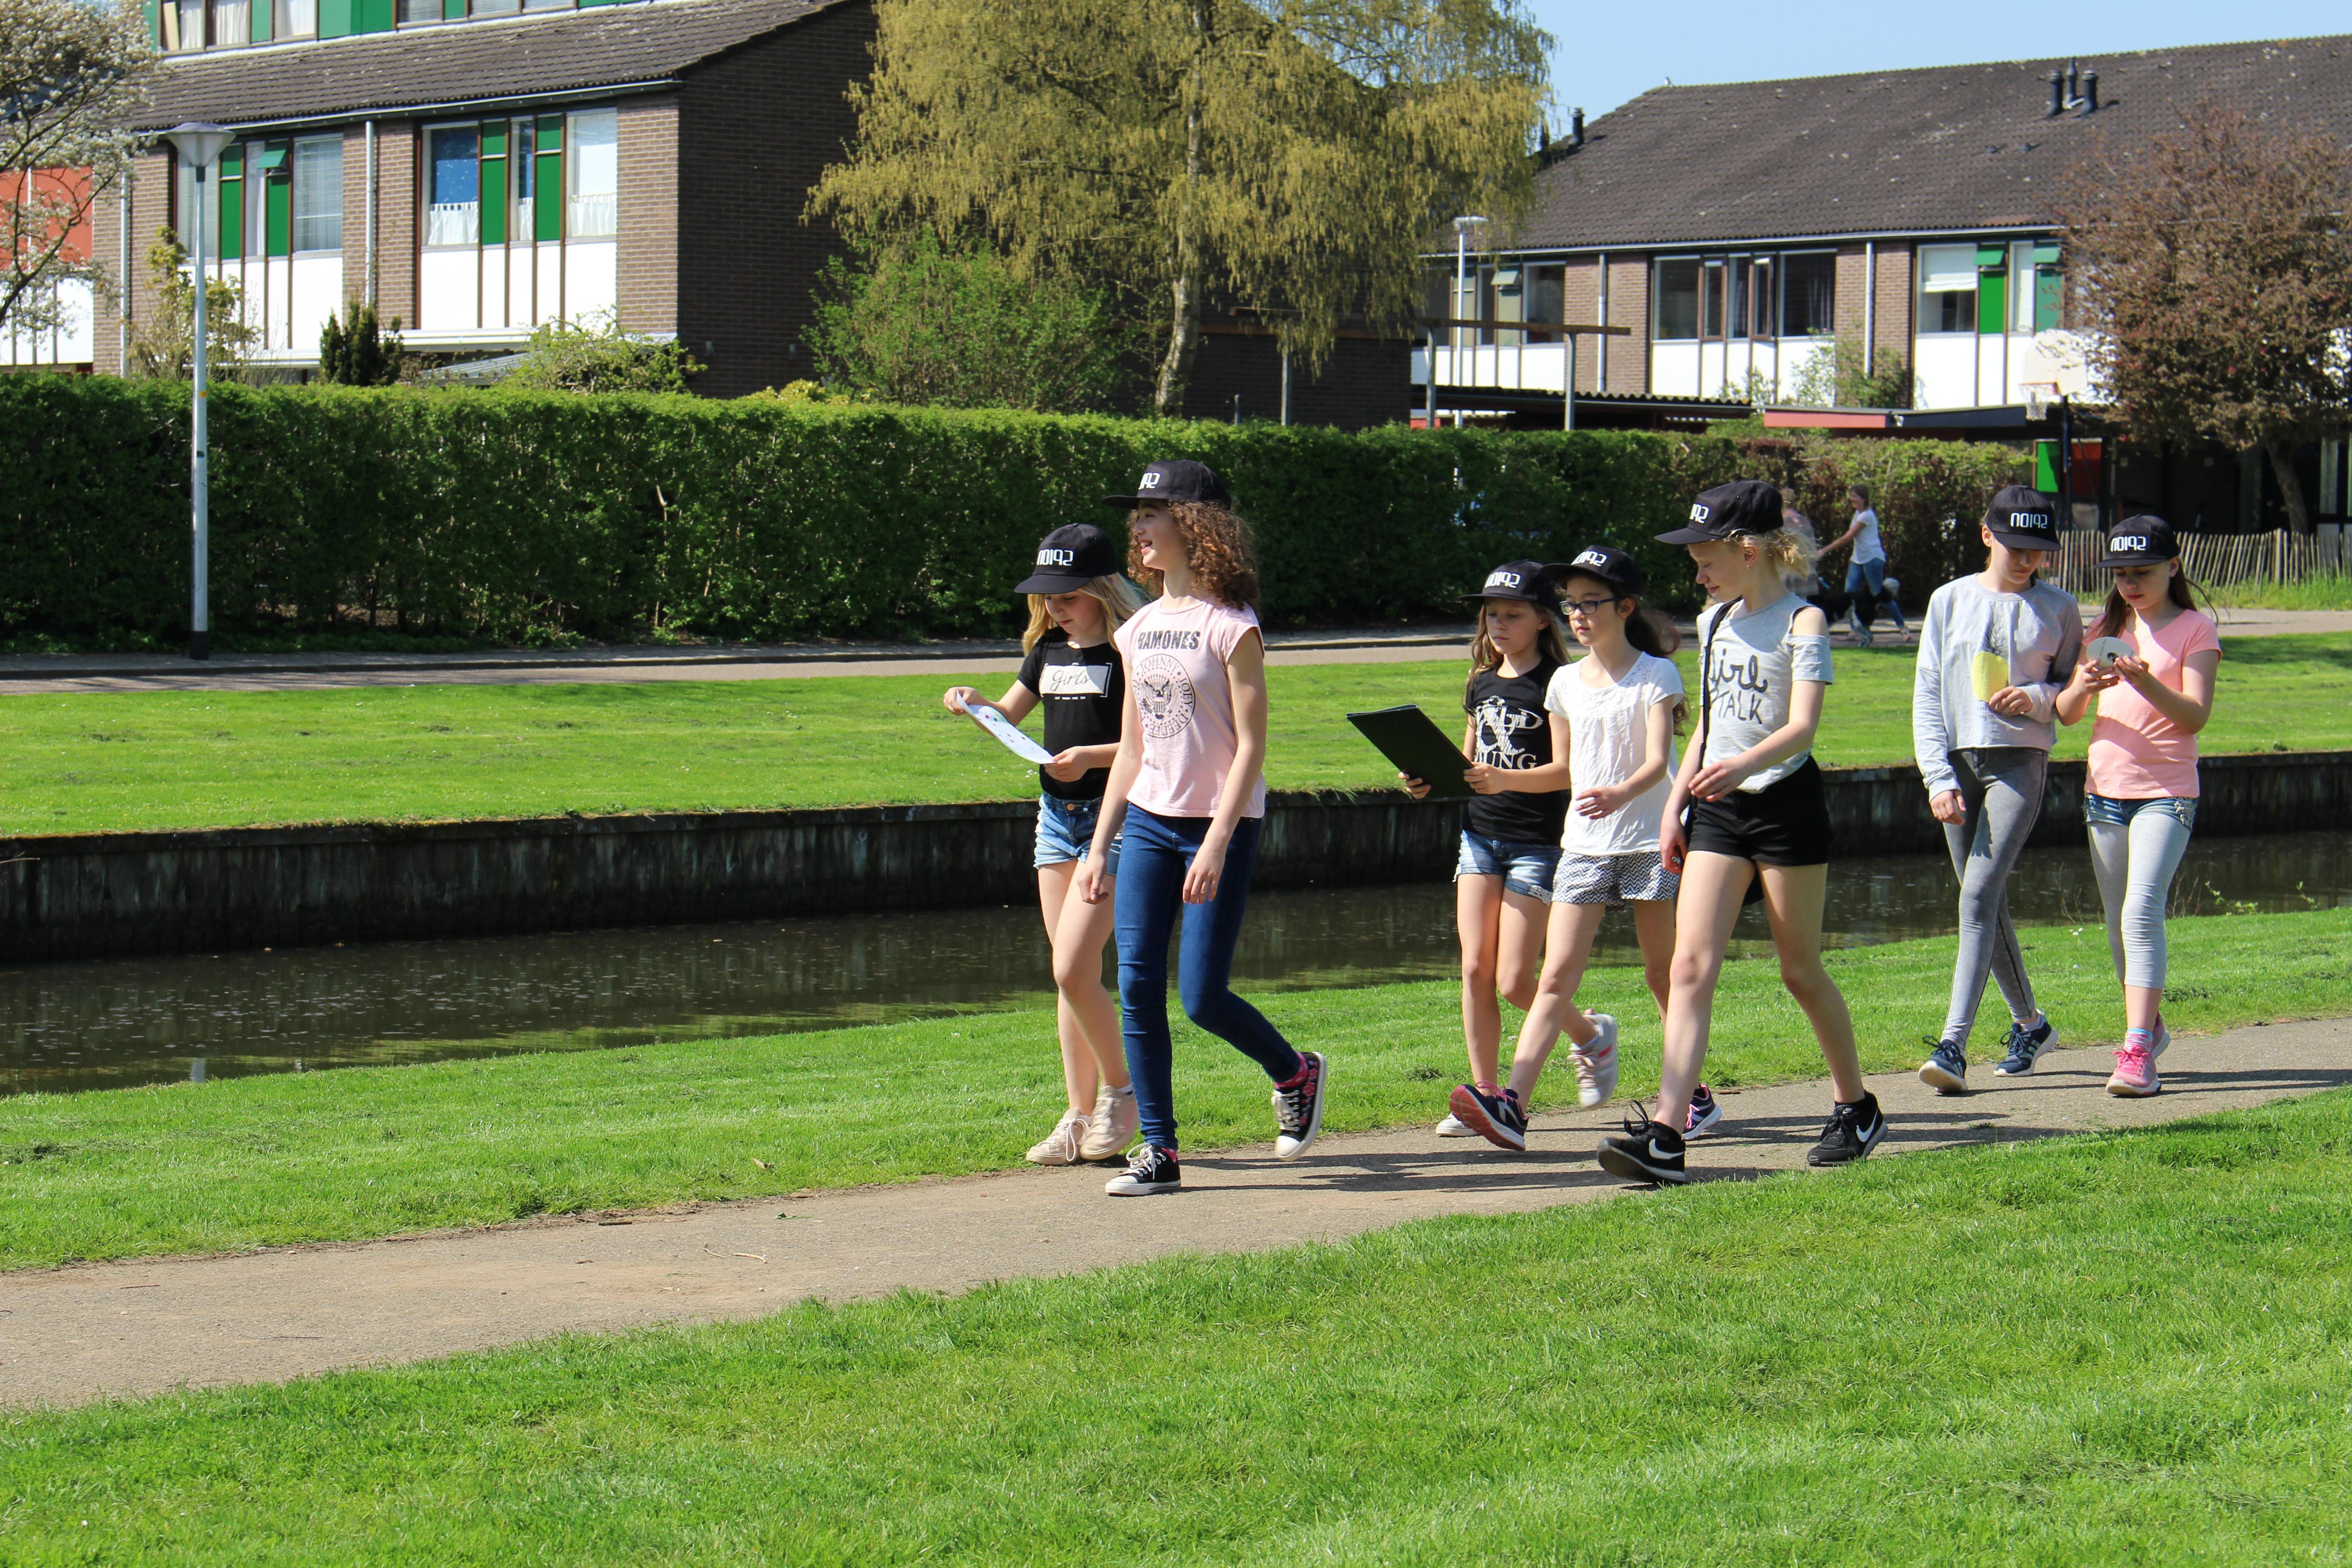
x,y
2117,614
1217,547
1551,642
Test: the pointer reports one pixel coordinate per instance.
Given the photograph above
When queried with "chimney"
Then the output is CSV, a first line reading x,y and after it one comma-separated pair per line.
x,y
2057,93
2071,93
1575,128
2090,92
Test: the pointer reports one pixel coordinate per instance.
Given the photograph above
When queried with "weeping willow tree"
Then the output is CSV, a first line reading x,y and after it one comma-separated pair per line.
x,y
1290,158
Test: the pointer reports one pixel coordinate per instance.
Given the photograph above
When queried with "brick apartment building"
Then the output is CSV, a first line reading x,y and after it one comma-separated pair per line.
x,y
1736,229
479,174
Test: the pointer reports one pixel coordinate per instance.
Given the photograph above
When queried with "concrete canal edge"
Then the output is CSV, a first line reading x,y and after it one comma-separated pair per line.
x,y
89,894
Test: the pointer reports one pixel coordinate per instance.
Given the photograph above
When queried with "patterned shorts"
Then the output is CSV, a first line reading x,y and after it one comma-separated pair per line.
x,y
1614,880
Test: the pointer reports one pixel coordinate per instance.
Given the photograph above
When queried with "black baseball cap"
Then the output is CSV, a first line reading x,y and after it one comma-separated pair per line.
x,y
1176,478
1609,563
2022,517
1529,579
1070,558
2143,541
1743,506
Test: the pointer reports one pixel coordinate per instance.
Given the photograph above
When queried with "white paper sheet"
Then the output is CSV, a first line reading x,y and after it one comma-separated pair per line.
x,y
1019,744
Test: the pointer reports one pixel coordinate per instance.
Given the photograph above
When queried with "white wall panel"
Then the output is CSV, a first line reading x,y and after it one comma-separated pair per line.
x,y
1944,372
590,280
551,283
447,281
1673,369
317,282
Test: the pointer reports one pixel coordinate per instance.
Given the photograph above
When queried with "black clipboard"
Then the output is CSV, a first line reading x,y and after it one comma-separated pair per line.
x,y
1412,740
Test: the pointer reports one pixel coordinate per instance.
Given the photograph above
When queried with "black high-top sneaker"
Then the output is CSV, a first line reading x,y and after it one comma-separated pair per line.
x,y
1151,1168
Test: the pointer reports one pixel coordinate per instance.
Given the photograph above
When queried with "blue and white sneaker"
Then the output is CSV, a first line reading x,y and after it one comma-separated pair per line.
x,y
2027,1047
1945,1071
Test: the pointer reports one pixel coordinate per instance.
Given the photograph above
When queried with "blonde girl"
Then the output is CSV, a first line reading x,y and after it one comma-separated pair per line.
x,y
1077,599
1621,703
2140,799
1189,788
1758,820
1510,829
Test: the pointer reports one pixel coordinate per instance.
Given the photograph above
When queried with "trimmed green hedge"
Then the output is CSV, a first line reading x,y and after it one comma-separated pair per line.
x,y
515,516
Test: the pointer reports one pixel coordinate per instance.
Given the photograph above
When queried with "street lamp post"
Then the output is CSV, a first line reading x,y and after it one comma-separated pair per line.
x,y
199,145
1461,227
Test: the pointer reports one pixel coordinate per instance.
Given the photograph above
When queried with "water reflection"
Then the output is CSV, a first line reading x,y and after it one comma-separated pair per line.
x,y
119,1022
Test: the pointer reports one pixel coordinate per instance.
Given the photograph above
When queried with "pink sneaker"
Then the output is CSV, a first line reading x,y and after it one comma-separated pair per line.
x,y
2135,1075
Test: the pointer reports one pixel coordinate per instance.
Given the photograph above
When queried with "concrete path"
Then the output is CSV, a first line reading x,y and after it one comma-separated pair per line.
x,y
71,1335
29,674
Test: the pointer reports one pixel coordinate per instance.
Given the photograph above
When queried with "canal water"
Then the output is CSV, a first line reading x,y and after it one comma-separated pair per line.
x,y
121,1022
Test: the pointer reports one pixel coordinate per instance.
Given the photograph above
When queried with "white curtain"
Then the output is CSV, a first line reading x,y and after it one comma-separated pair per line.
x,y
319,193
595,164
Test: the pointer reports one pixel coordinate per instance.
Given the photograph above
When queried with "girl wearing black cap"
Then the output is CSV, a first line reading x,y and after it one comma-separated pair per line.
x,y
1510,830
1077,599
1621,703
1757,823
1189,786
2154,683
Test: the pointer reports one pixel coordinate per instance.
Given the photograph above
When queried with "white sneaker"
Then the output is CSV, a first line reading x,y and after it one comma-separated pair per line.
x,y
1112,1127
1452,1128
1061,1146
1596,1063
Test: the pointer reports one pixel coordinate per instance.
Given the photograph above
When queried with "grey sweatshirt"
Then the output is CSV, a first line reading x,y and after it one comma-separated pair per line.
x,y
1973,643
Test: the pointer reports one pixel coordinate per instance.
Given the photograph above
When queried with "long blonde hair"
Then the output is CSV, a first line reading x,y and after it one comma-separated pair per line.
x,y
1551,642
1118,598
1790,553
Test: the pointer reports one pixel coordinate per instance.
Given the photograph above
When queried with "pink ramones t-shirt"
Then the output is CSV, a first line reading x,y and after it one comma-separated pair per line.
x,y
1176,670
2138,754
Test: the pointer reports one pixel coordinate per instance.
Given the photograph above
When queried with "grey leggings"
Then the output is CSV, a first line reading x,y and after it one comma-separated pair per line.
x,y
2000,792
2135,848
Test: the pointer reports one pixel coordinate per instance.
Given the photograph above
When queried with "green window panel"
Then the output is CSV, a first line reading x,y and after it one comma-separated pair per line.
x,y
494,197
2046,254
258,13
338,18
585,4
547,179
278,201
2049,297
229,243
1992,301
372,16
154,23
453,10
2045,467
1992,256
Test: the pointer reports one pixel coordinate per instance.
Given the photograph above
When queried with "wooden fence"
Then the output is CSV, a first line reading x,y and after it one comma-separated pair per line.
x,y
2218,560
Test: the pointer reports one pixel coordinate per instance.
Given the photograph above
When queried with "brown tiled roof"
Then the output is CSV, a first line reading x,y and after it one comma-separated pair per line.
x,y
461,61
1952,147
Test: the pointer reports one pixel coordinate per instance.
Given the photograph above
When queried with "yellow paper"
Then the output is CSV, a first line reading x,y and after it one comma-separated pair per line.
x,y
1988,673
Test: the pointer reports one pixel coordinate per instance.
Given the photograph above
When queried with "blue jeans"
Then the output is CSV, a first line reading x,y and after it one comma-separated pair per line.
x,y
1865,585
1156,853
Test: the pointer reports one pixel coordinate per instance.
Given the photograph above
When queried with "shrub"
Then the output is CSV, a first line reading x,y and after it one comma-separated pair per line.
x,y
524,515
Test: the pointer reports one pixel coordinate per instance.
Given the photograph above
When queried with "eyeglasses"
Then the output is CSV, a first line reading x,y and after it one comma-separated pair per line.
x,y
1586,607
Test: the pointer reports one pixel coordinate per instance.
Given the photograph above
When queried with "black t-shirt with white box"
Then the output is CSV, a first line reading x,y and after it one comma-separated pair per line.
x,y
1084,693
1510,730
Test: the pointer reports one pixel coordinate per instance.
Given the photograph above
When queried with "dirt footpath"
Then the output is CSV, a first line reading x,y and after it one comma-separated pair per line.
x,y
71,1335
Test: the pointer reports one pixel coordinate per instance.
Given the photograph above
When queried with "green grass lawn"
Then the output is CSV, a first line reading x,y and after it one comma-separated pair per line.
x,y
2127,1348
97,762
2331,591
366,1152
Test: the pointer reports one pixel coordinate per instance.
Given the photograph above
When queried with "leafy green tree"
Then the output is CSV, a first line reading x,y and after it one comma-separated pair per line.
x,y
2213,275
1839,379
598,357
72,75
362,354
921,322
162,345
1291,158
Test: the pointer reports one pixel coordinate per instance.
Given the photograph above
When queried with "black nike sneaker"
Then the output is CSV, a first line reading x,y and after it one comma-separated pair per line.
x,y
1854,1131
1495,1118
1649,1152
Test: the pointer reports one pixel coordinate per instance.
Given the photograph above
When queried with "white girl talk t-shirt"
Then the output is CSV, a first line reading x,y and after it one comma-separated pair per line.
x,y
1608,732
1176,670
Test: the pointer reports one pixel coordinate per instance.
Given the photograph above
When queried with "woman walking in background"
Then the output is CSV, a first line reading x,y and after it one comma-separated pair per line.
x,y
1076,600
2141,801
1995,651
1865,570
1510,831
1189,786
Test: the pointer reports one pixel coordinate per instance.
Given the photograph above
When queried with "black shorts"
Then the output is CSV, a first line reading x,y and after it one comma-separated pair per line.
x,y
1783,824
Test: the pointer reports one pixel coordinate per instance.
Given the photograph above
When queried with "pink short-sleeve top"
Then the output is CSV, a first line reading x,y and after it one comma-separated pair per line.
x,y
2138,754
1176,673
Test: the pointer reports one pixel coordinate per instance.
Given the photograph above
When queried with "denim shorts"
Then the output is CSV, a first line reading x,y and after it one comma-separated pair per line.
x,y
1065,830
2104,811
1525,868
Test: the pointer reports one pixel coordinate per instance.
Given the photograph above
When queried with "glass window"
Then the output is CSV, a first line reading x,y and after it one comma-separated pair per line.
x,y
497,7
232,22
188,33
1948,288
596,169
1808,293
1710,298
1544,295
453,217
1677,294
2021,305
546,4
319,193
413,11
523,178
1741,283
294,18
257,199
